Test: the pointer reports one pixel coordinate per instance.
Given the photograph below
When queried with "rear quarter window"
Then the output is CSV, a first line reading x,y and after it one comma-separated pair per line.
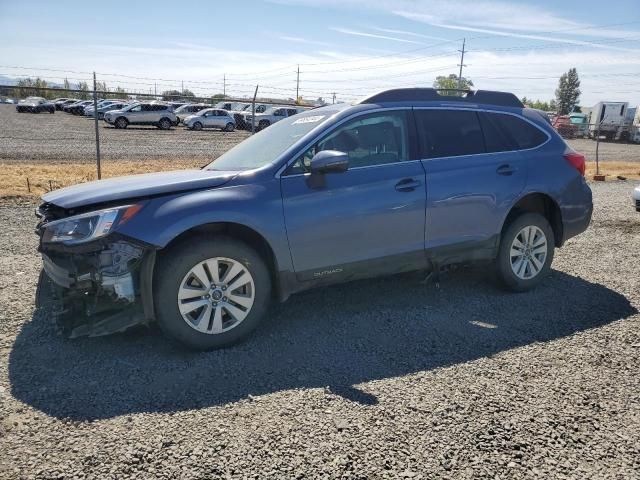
x,y
508,132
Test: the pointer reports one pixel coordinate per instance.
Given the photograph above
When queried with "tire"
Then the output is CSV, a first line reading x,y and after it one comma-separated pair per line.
x,y
197,126
52,110
121,122
512,272
263,124
36,110
164,124
229,127
174,274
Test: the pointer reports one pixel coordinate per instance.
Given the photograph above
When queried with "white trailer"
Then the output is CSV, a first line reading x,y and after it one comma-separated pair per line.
x,y
608,119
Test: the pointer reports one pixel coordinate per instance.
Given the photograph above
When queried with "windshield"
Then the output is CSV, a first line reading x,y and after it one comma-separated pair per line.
x,y
267,145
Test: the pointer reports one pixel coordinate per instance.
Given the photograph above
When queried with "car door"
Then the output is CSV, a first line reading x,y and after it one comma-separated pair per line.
x,y
136,114
366,221
471,183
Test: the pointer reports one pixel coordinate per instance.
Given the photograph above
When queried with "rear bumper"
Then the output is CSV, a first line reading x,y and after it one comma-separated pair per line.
x,y
576,216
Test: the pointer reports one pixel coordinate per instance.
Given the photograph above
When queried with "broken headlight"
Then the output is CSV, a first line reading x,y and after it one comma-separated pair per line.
x,y
87,226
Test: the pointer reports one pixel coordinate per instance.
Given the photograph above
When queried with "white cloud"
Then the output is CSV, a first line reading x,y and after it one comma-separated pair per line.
x,y
348,31
406,32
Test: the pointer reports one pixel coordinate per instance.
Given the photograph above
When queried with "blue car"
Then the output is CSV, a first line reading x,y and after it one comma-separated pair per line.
x,y
405,180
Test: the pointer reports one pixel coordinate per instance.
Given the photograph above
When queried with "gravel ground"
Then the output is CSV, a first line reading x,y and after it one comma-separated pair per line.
x,y
63,137
388,378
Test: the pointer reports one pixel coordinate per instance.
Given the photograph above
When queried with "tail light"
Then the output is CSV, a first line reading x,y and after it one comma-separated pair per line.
x,y
577,160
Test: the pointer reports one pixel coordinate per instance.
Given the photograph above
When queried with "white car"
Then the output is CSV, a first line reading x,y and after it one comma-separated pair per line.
x,y
272,115
210,118
636,198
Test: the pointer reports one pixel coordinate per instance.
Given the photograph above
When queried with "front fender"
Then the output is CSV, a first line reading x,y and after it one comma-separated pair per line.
x,y
255,205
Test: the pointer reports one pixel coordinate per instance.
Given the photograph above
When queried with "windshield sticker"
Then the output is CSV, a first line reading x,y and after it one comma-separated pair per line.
x,y
311,119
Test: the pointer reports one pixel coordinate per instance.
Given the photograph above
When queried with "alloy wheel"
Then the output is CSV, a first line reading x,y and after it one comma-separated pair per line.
x,y
216,295
528,252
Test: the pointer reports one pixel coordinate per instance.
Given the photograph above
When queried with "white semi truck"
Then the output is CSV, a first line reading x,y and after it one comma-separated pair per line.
x,y
607,119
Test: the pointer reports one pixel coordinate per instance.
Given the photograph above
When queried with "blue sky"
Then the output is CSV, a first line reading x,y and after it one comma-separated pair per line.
x,y
350,47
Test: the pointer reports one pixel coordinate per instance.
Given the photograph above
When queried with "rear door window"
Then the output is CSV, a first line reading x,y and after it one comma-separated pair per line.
x,y
505,132
449,133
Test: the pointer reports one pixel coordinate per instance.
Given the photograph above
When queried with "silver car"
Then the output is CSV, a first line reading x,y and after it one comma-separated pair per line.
x,y
104,108
190,109
272,115
211,118
145,113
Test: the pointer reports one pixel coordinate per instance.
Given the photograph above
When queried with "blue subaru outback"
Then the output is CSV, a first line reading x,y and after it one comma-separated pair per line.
x,y
405,180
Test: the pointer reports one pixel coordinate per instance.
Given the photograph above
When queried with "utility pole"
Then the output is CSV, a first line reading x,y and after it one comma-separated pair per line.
x,y
298,84
182,86
155,89
461,64
224,85
334,97
95,118
253,111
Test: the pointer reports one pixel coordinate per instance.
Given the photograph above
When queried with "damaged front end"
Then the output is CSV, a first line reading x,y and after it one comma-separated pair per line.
x,y
103,279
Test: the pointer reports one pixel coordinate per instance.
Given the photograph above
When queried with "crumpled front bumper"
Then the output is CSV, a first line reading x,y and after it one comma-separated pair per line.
x,y
103,287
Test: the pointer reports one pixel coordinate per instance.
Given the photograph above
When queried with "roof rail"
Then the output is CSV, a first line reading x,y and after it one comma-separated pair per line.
x,y
486,97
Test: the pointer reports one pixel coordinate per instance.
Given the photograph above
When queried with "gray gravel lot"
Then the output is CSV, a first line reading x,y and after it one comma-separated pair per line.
x,y
387,378
63,137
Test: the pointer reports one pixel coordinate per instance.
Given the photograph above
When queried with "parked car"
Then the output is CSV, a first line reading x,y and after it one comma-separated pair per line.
x,y
245,109
144,113
404,180
35,105
185,110
78,107
229,105
636,198
63,103
106,107
271,115
211,118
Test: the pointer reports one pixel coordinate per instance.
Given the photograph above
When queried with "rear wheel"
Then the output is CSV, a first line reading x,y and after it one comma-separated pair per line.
x,y
211,293
229,127
164,124
121,122
526,252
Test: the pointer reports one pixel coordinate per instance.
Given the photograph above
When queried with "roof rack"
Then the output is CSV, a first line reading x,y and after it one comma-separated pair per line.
x,y
486,97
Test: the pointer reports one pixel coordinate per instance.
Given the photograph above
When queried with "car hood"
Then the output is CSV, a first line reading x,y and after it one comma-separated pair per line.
x,y
27,104
636,193
136,186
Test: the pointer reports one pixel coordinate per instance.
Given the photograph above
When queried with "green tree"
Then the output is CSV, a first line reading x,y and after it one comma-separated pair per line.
x,y
568,91
217,97
451,83
186,93
170,95
84,91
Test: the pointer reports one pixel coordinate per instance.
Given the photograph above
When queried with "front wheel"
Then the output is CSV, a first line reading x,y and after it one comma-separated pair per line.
x,y
211,293
197,126
121,122
526,252
229,127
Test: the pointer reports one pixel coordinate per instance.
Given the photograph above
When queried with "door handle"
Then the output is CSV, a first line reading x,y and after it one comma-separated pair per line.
x,y
407,185
505,169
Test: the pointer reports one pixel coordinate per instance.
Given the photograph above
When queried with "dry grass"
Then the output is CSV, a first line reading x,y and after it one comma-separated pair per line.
x,y
13,175
42,177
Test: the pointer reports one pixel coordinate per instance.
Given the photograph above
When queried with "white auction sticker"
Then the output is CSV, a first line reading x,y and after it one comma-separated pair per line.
x,y
311,119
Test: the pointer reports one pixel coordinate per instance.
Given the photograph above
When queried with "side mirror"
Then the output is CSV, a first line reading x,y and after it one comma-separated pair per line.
x,y
329,161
